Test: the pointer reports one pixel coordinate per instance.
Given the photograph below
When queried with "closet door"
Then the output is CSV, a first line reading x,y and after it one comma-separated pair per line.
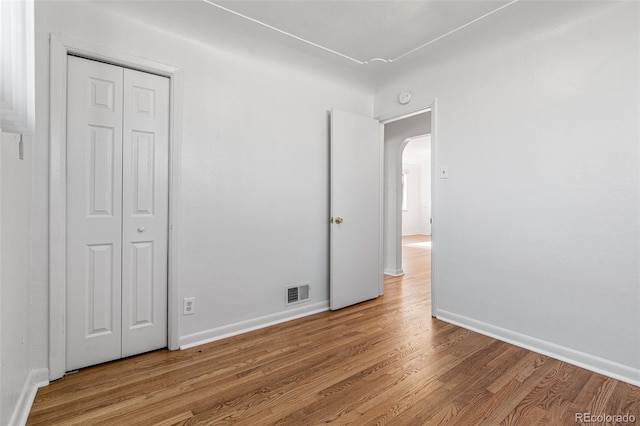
x,y
117,212
145,212
94,212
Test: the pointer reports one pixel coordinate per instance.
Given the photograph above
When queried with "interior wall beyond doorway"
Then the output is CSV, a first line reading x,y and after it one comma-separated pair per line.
x,y
396,136
416,171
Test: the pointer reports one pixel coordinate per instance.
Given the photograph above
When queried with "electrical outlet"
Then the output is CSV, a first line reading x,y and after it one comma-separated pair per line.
x,y
188,306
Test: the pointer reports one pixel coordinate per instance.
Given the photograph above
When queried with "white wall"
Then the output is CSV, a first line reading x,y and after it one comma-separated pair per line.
x,y
416,162
16,370
254,164
425,197
413,222
537,228
14,274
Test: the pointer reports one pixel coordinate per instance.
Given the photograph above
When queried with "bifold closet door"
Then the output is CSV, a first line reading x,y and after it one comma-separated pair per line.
x,y
145,206
117,212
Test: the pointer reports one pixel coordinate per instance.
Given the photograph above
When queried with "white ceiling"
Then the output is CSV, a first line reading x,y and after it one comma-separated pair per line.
x,y
344,32
364,30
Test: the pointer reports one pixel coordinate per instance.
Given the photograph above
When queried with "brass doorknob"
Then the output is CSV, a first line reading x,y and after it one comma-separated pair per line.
x,y
339,220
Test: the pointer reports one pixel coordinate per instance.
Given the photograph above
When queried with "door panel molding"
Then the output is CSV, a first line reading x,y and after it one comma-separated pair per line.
x,y
60,47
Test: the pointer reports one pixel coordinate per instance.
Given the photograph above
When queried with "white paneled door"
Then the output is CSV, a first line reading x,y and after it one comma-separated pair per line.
x,y
356,205
117,212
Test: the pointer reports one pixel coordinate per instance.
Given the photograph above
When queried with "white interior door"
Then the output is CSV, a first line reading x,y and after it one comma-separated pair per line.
x,y
356,209
117,220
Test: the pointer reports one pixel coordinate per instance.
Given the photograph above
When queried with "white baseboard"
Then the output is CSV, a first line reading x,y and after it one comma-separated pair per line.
x,y
581,359
394,272
36,379
234,329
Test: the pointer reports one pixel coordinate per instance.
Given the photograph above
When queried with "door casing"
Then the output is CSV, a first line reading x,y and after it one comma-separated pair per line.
x,y
60,47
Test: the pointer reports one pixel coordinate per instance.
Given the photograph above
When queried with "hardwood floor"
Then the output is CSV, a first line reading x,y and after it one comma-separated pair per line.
x,y
381,362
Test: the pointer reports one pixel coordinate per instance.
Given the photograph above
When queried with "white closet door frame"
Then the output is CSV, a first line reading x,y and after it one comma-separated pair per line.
x,y
61,47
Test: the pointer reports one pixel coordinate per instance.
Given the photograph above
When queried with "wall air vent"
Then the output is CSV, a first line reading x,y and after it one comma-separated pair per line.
x,y
298,293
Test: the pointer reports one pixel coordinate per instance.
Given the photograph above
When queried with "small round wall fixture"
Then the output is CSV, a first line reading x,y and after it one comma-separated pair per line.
x,y
404,98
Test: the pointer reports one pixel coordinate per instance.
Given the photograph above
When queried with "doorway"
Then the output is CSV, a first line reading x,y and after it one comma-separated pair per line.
x,y
398,134
117,212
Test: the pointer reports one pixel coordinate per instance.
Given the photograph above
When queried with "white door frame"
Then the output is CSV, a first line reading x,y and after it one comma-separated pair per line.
x,y
61,47
395,116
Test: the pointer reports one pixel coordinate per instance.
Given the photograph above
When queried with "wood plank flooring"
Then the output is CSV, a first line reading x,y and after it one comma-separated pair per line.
x,y
381,362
